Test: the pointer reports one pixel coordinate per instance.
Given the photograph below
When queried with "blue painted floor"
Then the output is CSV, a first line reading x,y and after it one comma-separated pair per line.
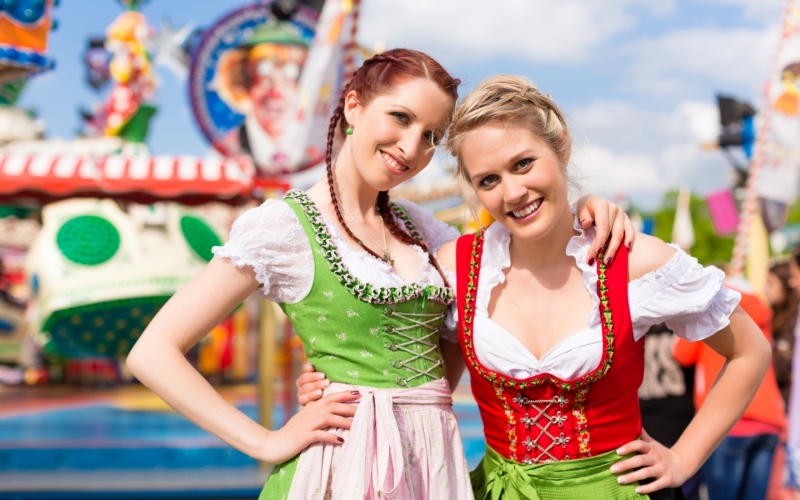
x,y
95,448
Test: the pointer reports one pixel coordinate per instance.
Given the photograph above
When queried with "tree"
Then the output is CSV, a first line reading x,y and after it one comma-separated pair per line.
x,y
709,248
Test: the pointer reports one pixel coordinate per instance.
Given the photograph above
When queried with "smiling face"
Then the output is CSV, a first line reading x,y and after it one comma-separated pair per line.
x,y
274,70
394,133
518,178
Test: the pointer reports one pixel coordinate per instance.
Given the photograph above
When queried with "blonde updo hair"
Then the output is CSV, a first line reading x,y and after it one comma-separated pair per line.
x,y
509,99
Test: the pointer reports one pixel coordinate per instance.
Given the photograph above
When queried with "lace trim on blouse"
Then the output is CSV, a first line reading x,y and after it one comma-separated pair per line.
x,y
690,298
271,240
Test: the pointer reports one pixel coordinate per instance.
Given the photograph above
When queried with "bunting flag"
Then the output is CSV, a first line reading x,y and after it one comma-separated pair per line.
x,y
723,211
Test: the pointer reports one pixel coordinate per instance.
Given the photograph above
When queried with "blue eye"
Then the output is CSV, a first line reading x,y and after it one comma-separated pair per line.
x,y
488,181
401,117
524,163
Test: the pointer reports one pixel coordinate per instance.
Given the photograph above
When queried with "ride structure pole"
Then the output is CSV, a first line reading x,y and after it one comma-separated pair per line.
x,y
750,208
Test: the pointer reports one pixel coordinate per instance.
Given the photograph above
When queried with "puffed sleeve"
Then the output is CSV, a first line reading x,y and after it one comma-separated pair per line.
x,y
690,298
435,232
271,240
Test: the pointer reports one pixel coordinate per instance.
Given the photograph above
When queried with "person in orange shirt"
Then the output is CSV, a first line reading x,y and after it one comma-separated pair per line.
x,y
740,467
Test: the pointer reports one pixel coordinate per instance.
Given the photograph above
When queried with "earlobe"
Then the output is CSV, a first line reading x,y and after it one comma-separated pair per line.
x,y
351,108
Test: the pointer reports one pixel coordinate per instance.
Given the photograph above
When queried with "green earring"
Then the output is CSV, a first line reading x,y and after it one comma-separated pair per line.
x,y
349,131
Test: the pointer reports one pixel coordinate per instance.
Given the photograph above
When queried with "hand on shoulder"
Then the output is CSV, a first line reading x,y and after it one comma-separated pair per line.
x,y
648,255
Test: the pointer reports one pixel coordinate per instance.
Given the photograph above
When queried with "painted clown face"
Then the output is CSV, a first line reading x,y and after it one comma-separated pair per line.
x,y
272,73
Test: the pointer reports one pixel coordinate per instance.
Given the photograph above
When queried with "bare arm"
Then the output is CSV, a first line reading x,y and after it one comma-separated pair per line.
x,y
158,361
747,354
453,362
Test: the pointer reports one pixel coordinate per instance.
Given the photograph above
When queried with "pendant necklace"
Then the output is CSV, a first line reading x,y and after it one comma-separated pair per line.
x,y
385,248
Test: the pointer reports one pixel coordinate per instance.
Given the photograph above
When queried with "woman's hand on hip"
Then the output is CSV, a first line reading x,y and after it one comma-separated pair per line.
x,y
310,385
654,460
310,426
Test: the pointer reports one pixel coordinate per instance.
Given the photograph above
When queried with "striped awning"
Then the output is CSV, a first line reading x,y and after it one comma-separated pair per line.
x,y
142,179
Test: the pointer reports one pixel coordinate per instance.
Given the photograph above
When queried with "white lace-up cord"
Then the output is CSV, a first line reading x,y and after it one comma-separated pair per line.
x,y
416,320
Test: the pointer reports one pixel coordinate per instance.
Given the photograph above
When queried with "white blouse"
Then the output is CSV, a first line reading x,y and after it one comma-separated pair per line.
x,y
690,298
271,240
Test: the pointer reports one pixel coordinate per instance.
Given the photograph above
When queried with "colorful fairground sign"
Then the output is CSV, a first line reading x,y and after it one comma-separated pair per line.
x,y
244,87
24,26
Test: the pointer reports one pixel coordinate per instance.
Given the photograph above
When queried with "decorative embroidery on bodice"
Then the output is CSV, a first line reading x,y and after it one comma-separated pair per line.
x,y
361,334
545,419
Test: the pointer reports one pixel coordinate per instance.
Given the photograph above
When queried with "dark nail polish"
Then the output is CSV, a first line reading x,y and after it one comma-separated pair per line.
x,y
341,440
355,393
629,245
608,260
591,261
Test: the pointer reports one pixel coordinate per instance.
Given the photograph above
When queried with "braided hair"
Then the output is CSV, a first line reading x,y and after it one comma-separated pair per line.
x,y
376,76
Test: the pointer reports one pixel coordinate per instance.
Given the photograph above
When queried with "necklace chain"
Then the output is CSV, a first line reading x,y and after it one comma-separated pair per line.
x,y
385,248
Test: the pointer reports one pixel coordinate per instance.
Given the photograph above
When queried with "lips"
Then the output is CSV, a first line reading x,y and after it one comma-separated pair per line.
x,y
394,166
527,210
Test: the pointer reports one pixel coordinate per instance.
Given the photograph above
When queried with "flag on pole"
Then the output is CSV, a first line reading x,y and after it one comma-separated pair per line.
x,y
723,211
682,229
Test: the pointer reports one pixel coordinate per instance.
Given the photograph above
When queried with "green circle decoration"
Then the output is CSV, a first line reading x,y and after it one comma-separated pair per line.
x,y
88,240
199,236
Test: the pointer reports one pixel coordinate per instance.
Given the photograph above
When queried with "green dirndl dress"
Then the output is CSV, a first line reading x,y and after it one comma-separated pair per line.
x,y
363,335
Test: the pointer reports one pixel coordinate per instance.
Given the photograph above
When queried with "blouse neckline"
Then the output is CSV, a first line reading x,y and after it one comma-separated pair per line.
x,y
497,258
365,291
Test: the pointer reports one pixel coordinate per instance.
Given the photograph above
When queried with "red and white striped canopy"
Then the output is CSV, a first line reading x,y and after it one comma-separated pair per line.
x,y
142,179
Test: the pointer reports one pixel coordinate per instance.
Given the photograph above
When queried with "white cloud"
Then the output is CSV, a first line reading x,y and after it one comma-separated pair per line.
x,y
688,62
600,170
473,30
758,10
622,149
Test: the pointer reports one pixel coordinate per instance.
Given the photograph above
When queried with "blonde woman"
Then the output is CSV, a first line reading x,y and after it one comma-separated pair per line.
x,y
554,345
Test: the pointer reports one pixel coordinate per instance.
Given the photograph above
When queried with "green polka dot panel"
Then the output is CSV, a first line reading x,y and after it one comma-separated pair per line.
x,y
88,240
199,236
105,329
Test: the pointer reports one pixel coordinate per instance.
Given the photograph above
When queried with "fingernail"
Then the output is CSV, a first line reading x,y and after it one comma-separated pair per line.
x,y
318,393
320,376
619,451
355,393
341,440
326,383
629,245
621,480
614,469
608,260
638,490
591,261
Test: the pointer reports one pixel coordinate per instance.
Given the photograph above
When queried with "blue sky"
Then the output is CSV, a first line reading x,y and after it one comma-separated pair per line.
x,y
636,77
